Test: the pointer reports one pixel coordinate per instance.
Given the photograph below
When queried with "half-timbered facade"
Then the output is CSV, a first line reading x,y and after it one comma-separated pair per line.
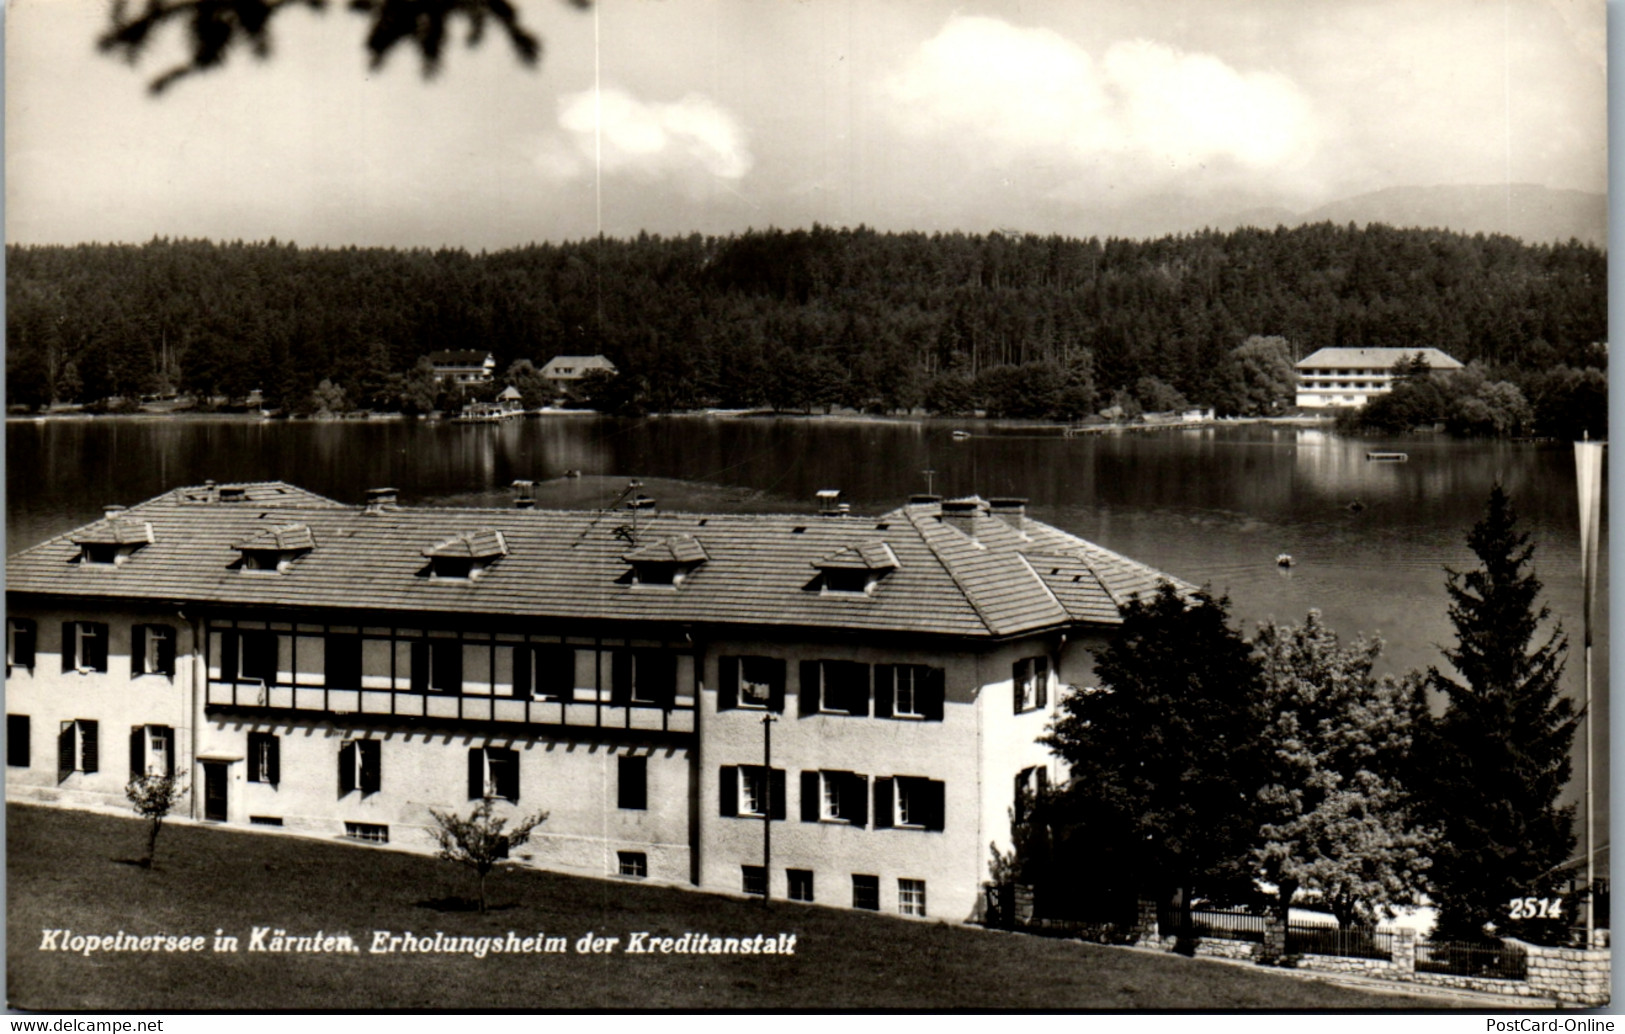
x,y
662,685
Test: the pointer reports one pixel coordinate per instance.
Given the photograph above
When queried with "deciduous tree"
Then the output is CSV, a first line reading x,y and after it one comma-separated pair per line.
x,y
481,840
154,797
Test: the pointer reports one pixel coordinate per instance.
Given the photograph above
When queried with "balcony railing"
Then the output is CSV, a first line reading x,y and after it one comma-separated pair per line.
x,y
466,707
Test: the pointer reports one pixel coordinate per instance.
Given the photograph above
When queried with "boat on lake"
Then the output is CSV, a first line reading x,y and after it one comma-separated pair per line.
x,y
1387,457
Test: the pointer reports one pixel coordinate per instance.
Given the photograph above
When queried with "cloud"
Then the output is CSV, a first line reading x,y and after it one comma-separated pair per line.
x,y
692,137
1142,115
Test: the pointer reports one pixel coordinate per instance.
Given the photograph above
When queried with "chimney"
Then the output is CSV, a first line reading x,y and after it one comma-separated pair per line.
x,y
960,514
829,502
381,499
923,499
1011,511
524,495
113,509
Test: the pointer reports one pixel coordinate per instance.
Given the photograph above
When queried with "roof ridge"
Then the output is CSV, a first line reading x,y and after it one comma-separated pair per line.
x,y
948,569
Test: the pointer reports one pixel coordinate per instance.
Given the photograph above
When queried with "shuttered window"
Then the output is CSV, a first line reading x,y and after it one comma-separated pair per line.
x,y
264,758
361,766
835,687
19,746
493,772
1029,679
152,751
751,791
84,646
750,682
21,636
835,797
77,749
909,691
909,802
152,650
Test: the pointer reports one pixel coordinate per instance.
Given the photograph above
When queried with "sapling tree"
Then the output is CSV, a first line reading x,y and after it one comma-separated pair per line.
x,y
154,797
482,839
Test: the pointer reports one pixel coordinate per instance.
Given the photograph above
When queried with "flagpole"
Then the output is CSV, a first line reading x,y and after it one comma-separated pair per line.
x,y
1588,476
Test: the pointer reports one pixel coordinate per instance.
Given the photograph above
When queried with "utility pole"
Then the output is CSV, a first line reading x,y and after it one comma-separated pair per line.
x,y
767,809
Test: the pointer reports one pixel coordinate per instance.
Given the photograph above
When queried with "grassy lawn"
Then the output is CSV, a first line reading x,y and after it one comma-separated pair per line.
x,y
71,870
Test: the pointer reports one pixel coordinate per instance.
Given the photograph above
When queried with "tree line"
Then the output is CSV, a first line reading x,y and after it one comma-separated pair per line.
x,y
1002,323
1283,772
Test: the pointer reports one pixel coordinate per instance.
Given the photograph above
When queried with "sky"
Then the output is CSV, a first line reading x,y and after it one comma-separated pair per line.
x,y
673,117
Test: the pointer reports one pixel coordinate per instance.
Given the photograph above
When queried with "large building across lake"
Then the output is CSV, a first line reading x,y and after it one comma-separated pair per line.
x,y
338,670
1346,377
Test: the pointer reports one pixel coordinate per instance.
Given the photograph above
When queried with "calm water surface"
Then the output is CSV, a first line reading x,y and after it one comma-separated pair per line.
x,y
1212,506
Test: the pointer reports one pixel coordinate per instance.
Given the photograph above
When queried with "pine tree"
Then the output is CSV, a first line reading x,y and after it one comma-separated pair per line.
x,y
1497,758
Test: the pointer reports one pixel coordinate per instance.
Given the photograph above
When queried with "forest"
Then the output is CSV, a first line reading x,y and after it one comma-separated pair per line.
x,y
1014,325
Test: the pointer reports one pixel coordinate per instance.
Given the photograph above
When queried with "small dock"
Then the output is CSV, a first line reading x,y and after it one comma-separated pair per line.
x,y
1387,457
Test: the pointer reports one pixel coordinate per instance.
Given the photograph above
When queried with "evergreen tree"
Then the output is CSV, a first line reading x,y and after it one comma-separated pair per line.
x,y
1164,755
1497,758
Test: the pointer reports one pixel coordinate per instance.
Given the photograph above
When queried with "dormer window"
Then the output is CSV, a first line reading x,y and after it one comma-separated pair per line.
x,y
465,557
273,550
856,570
666,563
112,541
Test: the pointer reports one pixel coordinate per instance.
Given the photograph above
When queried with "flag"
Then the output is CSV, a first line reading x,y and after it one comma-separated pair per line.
x,y
1588,472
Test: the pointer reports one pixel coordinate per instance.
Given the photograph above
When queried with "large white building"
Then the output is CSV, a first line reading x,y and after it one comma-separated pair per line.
x,y
338,670
1344,377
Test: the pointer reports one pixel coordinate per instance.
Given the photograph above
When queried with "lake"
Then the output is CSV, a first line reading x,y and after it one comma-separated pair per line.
x,y
1212,506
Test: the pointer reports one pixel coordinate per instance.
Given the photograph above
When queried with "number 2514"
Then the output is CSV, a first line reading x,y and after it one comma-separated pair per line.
x,y
1536,908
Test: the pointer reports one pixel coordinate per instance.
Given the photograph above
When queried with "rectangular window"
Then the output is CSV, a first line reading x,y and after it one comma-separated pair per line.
x,y
264,758
248,656
866,892
18,741
632,782
751,791
152,751
21,635
437,666
754,879
493,772
371,832
544,671
750,682
835,797
77,749
909,802
84,646
152,650
342,661
1030,679
642,678
265,820
633,863
360,766
801,884
835,687
911,897
911,691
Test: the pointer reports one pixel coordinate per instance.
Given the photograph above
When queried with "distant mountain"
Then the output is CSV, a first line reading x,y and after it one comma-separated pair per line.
x,y
1536,215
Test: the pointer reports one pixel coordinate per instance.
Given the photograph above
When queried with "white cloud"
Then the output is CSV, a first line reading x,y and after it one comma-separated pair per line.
x,y
686,138
1136,118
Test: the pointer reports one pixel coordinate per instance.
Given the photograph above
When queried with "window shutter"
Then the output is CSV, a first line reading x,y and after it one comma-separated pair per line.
x,y
885,689
138,649
347,767
19,751
370,752
70,647
728,791
420,666
930,692
1015,682
727,683
1041,681
857,791
65,750
808,692
138,752
476,773
811,803
88,745
775,782
775,686
504,772
169,752
255,773
229,646
273,760
525,657
166,651
883,803
932,797
620,677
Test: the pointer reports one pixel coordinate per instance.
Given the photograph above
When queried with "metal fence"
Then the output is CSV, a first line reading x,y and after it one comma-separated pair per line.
x,y
1353,942
1202,922
1493,959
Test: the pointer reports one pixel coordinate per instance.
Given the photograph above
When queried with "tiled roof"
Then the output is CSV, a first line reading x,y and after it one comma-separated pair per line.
x,y
114,531
679,549
284,538
460,357
1374,358
571,565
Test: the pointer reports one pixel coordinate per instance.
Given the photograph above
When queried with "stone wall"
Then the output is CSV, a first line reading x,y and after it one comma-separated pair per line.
x,y
1570,974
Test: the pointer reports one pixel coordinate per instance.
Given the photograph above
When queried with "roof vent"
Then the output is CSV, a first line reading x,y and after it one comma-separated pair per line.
x,y
924,499
524,497
233,494
381,499
829,502
1010,510
113,508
